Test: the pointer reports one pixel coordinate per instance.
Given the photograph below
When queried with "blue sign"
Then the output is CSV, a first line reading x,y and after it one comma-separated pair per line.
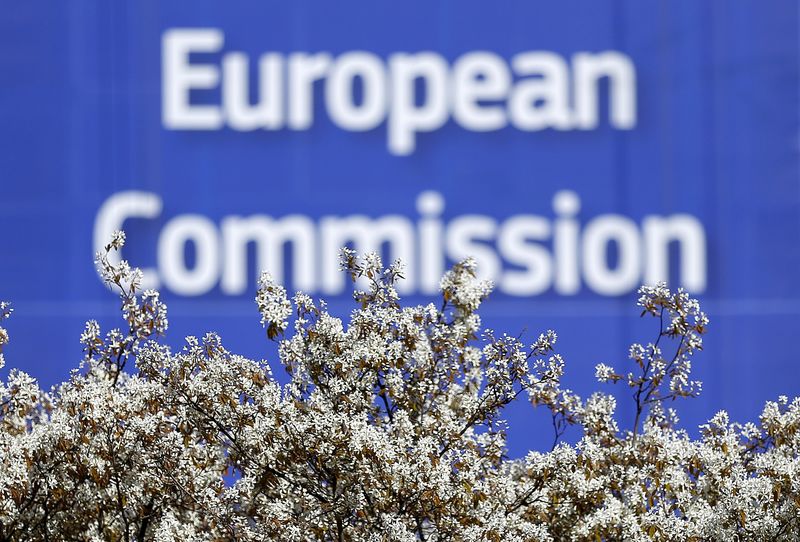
x,y
575,151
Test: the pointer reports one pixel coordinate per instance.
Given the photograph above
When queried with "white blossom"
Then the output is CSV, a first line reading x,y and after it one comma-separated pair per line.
x,y
390,428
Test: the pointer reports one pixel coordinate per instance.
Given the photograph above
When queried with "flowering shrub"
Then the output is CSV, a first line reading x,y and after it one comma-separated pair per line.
x,y
389,428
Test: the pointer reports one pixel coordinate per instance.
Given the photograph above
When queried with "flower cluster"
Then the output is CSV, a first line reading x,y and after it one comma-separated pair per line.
x,y
5,312
390,427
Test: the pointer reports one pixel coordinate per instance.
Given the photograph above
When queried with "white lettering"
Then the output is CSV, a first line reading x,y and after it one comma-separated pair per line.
x,y
462,239
179,77
366,235
526,254
339,91
515,247
406,115
589,69
690,235
178,277
268,113
540,102
270,237
411,93
112,216
566,204
480,76
430,206
599,276
304,70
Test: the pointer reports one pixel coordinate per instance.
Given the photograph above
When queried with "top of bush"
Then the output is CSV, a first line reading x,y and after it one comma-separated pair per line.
x,y
389,428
